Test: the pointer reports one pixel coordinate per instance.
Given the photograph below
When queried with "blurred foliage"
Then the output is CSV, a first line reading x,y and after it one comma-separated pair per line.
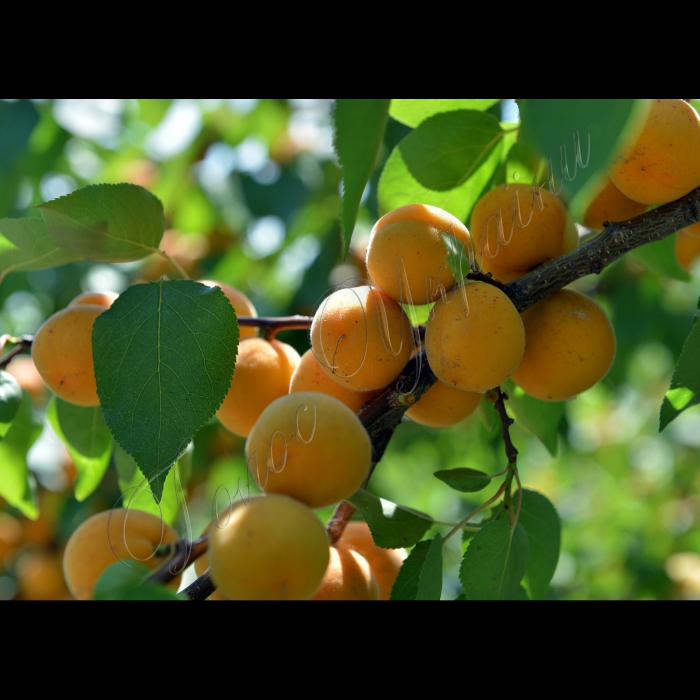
x,y
251,196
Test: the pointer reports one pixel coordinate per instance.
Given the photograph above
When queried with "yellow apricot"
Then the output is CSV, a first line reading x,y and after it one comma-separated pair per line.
x,y
23,370
688,246
263,371
362,338
385,563
201,564
610,205
570,346
241,305
104,299
406,256
520,227
661,162
443,405
475,339
309,376
348,577
272,548
110,536
311,447
62,354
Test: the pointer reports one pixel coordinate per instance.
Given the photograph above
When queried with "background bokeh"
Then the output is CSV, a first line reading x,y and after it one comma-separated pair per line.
x,y
251,196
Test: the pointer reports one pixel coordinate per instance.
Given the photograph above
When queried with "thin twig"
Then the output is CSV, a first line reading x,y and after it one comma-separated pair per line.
x,y
24,342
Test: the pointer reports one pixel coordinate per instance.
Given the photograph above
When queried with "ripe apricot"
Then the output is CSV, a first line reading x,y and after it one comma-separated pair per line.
x,y
23,370
362,338
688,246
104,299
309,376
263,371
348,577
406,256
62,354
475,339
104,539
520,227
241,305
272,548
660,159
443,405
570,346
385,563
610,205
311,447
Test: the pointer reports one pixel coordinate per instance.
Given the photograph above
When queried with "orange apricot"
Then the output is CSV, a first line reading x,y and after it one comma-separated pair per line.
x,y
62,354
660,159
385,563
348,577
23,370
443,405
688,246
104,299
475,339
241,305
263,371
311,447
362,338
610,205
570,346
406,256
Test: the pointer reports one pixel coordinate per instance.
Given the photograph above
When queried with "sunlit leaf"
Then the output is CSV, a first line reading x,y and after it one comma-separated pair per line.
x,y
10,401
413,112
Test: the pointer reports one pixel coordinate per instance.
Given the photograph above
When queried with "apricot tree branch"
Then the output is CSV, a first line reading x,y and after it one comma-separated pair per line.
x,y
272,325
23,343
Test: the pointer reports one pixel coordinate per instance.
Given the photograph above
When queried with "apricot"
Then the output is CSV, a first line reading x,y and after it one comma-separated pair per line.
x,y
40,577
62,354
385,563
104,539
272,548
348,577
241,305
309,376
104,299
610,205
263,371
311,447
660,161
443,405
406,256
23,370
362,338
520,227
570,346
688,246
475,339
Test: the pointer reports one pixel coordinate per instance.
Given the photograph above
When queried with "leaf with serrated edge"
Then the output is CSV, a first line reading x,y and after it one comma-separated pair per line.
x,y
358,131
392,526
108,223
86,437
413,112
430,579
463,479
164,356
10,401
495,562
406,585
543,527
25,244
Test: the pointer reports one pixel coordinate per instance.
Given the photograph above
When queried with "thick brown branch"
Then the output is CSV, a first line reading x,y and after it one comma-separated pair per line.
x,y
184,554
272,325
200,589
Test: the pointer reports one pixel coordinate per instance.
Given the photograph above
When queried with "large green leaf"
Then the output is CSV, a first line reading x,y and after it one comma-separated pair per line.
x,y
660,258
86,437
110,223
684,391
164,355
120,581
495,562
543,527
463,479
15,484
358,128
25,244
413,112
392,526
430,580
10,401
406,585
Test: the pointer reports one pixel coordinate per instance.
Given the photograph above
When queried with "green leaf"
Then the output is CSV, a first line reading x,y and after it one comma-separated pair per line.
x,y
358,129
86,437
391,526
413,112
541,418
406,585
109,223
430,579
10,401
543,527
15,485
18,120
25,244
164,355
684,391
550,125
464,479
495,562
659,257
120,581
